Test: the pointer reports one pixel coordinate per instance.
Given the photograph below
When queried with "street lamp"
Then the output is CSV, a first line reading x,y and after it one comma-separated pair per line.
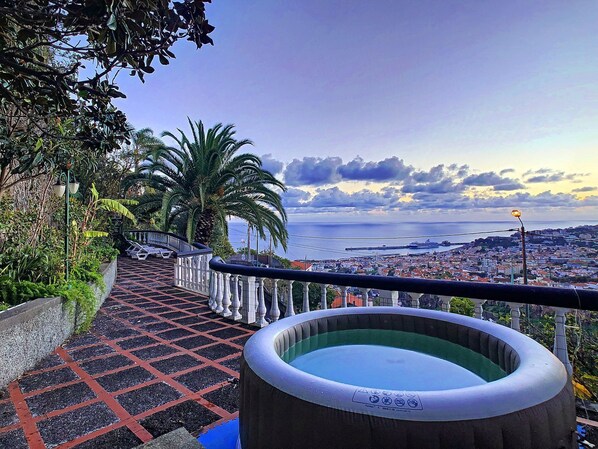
x,y
60,188
517,214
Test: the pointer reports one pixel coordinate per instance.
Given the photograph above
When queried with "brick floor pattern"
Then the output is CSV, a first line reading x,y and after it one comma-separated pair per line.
x,y
155,359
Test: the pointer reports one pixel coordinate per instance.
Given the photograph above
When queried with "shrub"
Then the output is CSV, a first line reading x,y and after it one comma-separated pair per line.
x,y
462,306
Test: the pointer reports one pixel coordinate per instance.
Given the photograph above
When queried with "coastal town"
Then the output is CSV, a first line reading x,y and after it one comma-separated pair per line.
x,y
555,257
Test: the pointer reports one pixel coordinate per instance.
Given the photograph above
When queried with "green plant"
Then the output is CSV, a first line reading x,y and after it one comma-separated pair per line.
x,y
88,270
204,181
103,249
79,296
462,306
81,302
83,235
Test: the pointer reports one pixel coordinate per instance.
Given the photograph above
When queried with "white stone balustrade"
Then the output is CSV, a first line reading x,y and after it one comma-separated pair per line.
x,y
478,310
236,302
305,297
290,307
387,298
415,297
226,302
249,300
560,338
323,297
445,303
261,308
343,296
274,309
515,315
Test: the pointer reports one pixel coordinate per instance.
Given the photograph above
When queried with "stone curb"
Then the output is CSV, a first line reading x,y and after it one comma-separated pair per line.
x,y
179,439
31,331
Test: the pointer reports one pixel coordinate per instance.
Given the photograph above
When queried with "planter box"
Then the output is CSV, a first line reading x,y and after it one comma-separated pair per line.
x,y
32,330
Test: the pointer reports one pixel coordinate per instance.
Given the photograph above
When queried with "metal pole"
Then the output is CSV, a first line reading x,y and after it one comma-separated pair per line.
x,y
67,223
527,309
248,243
257,247
524,255
270,263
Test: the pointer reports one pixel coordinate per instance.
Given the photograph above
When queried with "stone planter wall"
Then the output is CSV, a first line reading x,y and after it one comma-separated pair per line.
x,y
31,331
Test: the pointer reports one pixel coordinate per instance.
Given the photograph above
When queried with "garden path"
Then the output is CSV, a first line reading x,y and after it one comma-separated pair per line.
x,y
155,359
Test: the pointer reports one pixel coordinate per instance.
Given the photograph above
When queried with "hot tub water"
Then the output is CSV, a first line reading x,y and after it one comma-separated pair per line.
x,y
390,359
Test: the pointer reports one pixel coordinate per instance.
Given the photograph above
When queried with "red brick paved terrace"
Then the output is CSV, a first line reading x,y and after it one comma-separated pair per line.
x,y
155,359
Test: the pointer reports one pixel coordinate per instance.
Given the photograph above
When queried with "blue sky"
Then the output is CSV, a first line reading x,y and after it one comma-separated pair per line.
x,y
399,108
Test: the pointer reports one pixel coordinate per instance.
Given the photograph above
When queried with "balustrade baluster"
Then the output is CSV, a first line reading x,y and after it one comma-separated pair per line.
x,y
212,297
515,315
343,296
235,315
290,308
177,269
478,311
388,298
366,298
560,338
445,303
226,298
274,309
323,297
415,297
220,294
261,308
249,303
305,297
193,279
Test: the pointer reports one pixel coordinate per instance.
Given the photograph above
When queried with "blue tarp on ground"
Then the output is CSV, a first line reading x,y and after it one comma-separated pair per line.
x,y
221,437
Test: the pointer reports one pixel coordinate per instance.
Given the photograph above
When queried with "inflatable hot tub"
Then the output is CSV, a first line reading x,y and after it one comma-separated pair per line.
x,y
388,377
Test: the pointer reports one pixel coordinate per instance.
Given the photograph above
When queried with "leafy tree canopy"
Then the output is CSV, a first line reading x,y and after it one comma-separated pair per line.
x,y
204,179
56,55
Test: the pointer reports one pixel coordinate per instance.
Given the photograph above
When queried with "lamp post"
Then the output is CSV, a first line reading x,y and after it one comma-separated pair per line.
x,y
517,214
62,186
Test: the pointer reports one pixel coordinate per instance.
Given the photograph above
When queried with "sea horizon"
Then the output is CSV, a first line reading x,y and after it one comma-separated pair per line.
x,y
328,240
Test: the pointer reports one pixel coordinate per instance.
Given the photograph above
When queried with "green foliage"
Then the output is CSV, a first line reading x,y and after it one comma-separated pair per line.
x,y
203,181
17,292
220,244
315,296
81,300
462,306
101,35
22,256
79,296
103,250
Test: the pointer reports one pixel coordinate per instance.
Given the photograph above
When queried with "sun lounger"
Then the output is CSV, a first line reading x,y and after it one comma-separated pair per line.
x,y
141,252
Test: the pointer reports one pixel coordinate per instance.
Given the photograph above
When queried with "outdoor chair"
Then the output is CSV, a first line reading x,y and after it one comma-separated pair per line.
x,y
141,252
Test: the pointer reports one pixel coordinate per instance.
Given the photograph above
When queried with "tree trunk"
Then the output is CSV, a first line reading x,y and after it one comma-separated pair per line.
x,y
205,226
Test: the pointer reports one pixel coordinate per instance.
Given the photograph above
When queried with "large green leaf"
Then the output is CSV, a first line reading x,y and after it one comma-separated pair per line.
x,y
95,234
116,207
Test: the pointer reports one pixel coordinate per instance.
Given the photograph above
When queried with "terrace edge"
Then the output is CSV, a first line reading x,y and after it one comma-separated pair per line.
x,y
31,331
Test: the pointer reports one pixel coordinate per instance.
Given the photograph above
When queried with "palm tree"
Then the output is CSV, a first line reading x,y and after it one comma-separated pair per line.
x,y
204,180
143,142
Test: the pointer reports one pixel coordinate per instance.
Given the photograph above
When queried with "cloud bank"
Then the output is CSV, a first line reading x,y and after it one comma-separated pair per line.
x,y
392,185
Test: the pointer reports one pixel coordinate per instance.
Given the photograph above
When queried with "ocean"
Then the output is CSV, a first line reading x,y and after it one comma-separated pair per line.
x,y
329,240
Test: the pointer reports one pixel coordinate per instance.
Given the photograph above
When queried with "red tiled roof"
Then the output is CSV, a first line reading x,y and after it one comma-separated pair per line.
x,y
304,266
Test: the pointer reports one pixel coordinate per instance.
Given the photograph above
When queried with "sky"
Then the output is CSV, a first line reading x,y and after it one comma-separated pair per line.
x,y
425,110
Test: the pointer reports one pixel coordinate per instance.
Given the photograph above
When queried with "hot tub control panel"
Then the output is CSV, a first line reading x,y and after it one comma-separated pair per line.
x,y
390,400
